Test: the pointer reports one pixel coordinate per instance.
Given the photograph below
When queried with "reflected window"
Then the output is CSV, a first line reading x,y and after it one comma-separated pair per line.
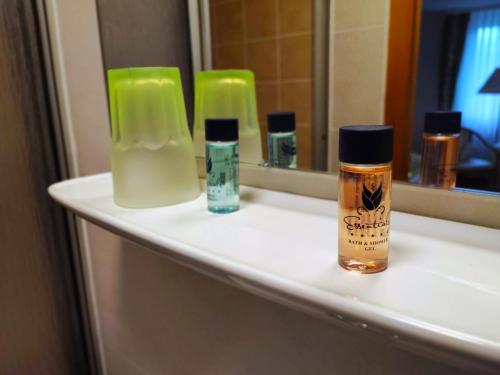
x,y
481,57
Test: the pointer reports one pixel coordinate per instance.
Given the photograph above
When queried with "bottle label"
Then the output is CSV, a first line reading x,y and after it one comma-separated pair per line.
x,y
282,150
364,211
439,161
222,173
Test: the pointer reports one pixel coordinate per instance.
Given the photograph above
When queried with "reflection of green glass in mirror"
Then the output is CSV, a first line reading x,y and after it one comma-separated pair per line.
x,y
152,157
228,94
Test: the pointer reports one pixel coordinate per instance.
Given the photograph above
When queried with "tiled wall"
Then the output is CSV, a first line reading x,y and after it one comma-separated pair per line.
x,y
273,38
358,63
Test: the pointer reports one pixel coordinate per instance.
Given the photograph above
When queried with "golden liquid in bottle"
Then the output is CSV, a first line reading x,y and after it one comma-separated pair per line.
x,y
364,209
439,160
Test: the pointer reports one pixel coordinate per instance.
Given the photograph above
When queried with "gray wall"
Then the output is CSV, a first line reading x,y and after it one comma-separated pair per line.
x,y
138,33
40,326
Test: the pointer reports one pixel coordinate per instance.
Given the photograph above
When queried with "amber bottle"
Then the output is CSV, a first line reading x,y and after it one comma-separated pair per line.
x,y
364,200
440,147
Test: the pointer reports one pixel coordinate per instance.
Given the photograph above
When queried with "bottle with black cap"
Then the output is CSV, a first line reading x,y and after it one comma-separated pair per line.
x,y
440,147
364,197
222,163
281,140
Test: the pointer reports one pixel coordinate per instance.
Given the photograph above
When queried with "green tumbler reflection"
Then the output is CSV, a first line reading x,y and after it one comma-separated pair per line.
x,y
152,158
228,94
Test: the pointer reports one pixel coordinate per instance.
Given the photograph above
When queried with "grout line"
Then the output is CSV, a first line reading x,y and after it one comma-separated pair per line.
x,y
385,58
331,140
362,28
267,82
289,80
245,31
280,36
214,31
278,48
265,38
221,2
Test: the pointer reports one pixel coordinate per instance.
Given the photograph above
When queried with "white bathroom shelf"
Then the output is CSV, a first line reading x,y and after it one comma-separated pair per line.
x,y
441,290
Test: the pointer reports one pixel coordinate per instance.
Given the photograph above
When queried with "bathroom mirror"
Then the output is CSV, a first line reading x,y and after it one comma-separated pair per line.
x,y
343,62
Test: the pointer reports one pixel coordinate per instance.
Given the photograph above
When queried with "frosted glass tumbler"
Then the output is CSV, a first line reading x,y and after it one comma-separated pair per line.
x,y
228,94
152,157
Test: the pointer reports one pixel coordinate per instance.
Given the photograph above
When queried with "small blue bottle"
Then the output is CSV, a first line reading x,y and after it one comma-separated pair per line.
x,y
281,140
222,165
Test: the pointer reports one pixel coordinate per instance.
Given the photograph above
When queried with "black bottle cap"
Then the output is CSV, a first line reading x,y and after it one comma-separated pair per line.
x,y
281,122
365,144
445,122
221,129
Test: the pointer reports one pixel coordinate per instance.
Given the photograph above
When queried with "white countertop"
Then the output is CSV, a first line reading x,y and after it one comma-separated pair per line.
x,y
442,286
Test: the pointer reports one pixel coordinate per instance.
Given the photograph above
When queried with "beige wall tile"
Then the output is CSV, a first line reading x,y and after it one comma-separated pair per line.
x,y
296,56
359,65
260,18
229,22
262,59
267,99
295,16
229,57
351,14
294,59
297,97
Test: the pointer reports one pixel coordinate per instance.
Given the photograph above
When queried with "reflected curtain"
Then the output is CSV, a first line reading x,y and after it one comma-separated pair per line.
x,y
480,57
453,39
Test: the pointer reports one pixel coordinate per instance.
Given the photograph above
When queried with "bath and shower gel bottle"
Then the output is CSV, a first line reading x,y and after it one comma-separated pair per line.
x,y
440,147
281,140
222,165
364,200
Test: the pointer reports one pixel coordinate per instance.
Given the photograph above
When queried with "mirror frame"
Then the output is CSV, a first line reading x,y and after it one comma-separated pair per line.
x,y
82,106
467,206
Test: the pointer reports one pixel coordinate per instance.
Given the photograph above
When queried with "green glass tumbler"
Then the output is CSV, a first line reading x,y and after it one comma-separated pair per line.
x,y
152,157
